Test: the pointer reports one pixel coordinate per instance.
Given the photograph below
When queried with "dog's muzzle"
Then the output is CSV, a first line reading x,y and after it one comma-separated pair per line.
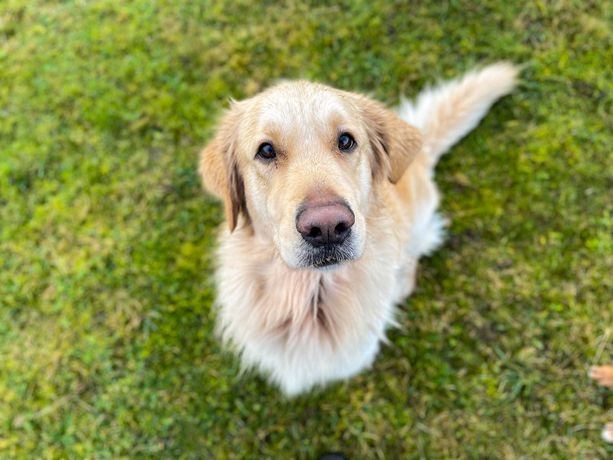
x,y
326,230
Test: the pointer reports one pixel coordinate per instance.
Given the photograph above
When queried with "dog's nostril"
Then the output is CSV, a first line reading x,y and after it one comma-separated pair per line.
x,y
314,232
340,228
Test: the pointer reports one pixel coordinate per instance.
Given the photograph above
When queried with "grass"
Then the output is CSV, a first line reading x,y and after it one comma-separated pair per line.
x,y
106,329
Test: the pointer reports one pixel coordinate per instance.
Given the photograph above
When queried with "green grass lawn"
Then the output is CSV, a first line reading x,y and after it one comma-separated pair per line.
x,y
107,347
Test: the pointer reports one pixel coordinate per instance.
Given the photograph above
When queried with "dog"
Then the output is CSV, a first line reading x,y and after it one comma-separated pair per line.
x,y
330,201
603,375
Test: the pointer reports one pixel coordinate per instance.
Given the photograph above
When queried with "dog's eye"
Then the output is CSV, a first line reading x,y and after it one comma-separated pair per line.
x,y
266,152
346,143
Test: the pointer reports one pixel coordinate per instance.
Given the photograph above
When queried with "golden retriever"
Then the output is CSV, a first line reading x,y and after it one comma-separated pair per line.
x,y
330,201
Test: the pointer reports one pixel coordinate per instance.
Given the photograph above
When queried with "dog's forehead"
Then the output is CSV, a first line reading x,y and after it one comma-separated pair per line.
x,y
301,105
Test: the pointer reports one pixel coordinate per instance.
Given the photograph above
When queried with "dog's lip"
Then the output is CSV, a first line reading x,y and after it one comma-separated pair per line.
x,y
327,262
327,256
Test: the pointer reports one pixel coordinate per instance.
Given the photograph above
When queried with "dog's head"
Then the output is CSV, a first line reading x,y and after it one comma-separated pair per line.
x,y
301,162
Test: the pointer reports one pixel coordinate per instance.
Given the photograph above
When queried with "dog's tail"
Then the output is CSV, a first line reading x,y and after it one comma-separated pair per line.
x,y
447,112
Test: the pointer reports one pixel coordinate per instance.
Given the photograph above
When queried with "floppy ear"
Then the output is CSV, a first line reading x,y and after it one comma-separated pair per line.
x,y
394,142
219,171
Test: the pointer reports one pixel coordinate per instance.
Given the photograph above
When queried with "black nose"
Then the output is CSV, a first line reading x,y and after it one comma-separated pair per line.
x,y
327,224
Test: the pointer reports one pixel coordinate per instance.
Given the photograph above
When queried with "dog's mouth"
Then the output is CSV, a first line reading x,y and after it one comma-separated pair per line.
x,y
327,255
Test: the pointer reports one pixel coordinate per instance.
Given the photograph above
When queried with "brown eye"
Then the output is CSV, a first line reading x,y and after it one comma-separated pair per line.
x,y
266,152
346,142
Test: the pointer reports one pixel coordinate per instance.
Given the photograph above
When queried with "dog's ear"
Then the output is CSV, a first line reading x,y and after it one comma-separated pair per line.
x,y
394,142
219,170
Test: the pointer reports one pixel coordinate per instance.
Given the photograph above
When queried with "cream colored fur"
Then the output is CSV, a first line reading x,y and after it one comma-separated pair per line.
x,y
303,326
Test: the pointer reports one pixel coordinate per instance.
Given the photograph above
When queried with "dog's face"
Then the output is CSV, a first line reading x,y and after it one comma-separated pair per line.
x,y
301,162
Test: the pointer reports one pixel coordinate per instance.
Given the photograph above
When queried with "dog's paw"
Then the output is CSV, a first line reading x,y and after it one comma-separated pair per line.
x,y
607,433
603,375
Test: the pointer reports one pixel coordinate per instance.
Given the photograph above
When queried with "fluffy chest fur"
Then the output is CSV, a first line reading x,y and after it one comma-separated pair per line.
x,y
304,327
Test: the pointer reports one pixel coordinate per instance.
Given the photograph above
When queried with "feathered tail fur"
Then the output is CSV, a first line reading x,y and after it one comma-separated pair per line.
x,y
447,112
